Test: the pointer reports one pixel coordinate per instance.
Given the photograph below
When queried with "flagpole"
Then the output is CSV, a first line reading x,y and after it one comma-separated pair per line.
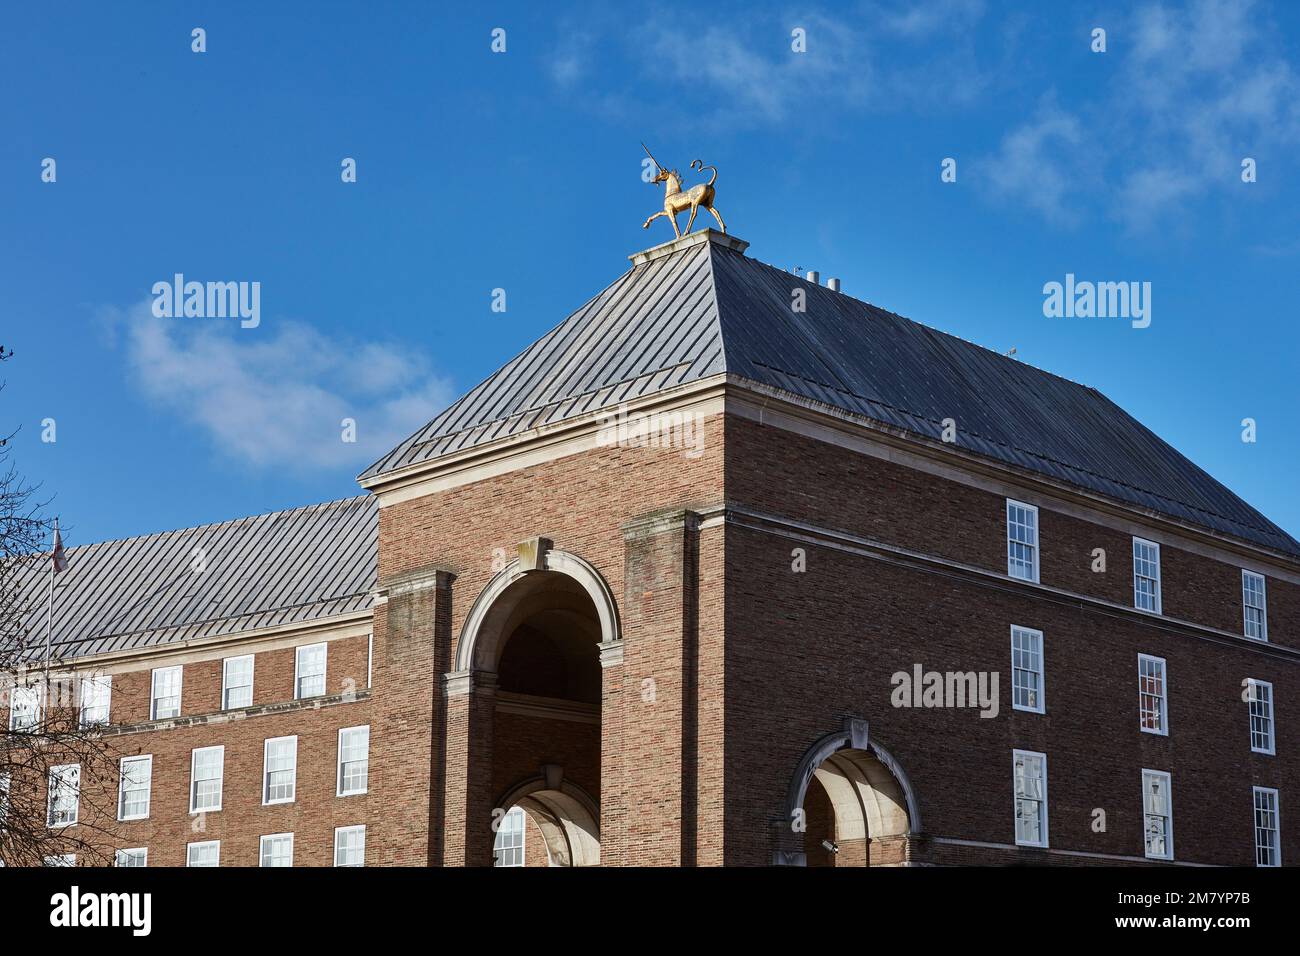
x,y
49,614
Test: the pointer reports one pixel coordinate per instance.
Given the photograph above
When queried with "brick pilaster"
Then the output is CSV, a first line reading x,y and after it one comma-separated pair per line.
x,y
658,689
412,633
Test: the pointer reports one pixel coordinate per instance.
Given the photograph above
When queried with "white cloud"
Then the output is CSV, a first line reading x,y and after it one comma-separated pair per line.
x,y
740,70
571,60
755,80
1193,91
1204,87
1038,164
276,398
909,18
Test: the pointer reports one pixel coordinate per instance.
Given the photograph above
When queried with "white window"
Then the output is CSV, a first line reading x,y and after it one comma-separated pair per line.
x,y
25,708
207,769
63,859
1254,605
1030,772
237,682
1146,576
508,848
309,671
350,846
1268,846
1026,669
135,857
279,770
134,790
207,853
1022,541
1153,713
165,700
277,849
354,760
96,692
1157,815
64,796
1259,695
4,798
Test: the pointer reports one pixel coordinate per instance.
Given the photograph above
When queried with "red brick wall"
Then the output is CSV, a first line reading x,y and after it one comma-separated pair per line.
x,y
805,650
581,503
273,673
316,809
786,474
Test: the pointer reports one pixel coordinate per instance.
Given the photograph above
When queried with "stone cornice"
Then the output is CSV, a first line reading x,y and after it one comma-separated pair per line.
x,y
732,394
408,582
242,713
699,237
259,640
661,522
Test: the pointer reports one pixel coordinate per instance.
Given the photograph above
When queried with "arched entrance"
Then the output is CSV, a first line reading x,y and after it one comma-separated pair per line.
x,y
533,641
563,816
849,804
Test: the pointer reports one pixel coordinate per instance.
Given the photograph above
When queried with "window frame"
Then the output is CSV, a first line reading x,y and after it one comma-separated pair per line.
x,y
50,791
97,680
519,813
1163,730
117,855
261,847
121,788
266,772
1276,810
1246,575
323,647
1159,578
1041,672
339,831
1253,699
38,708
1168,817
153,690
1016,798
225,680
191,847
338,771
1036,571
220,778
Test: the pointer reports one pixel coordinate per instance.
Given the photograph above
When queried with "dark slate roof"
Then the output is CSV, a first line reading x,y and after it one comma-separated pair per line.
x,y
705,308
293,566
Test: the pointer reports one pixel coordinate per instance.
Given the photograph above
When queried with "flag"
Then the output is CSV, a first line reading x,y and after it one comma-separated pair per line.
x,y
60,556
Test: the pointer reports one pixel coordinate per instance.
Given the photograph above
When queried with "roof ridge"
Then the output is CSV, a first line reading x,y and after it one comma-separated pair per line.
x,y
953,335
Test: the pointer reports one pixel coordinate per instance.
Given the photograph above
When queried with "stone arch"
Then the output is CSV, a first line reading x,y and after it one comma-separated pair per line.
x,y
565,815
507,597
869,792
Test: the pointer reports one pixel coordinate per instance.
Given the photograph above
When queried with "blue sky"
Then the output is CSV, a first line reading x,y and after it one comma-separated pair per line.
x,y
521,170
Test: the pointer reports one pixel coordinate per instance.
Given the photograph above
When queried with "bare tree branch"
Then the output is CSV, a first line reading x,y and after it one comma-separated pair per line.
x,y
49,735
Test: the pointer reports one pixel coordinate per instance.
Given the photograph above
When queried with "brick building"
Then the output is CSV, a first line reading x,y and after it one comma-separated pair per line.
x,y
727,568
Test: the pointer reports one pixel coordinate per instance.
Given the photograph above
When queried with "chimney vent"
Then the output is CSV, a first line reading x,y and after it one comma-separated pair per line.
x,y
833,285
813,276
